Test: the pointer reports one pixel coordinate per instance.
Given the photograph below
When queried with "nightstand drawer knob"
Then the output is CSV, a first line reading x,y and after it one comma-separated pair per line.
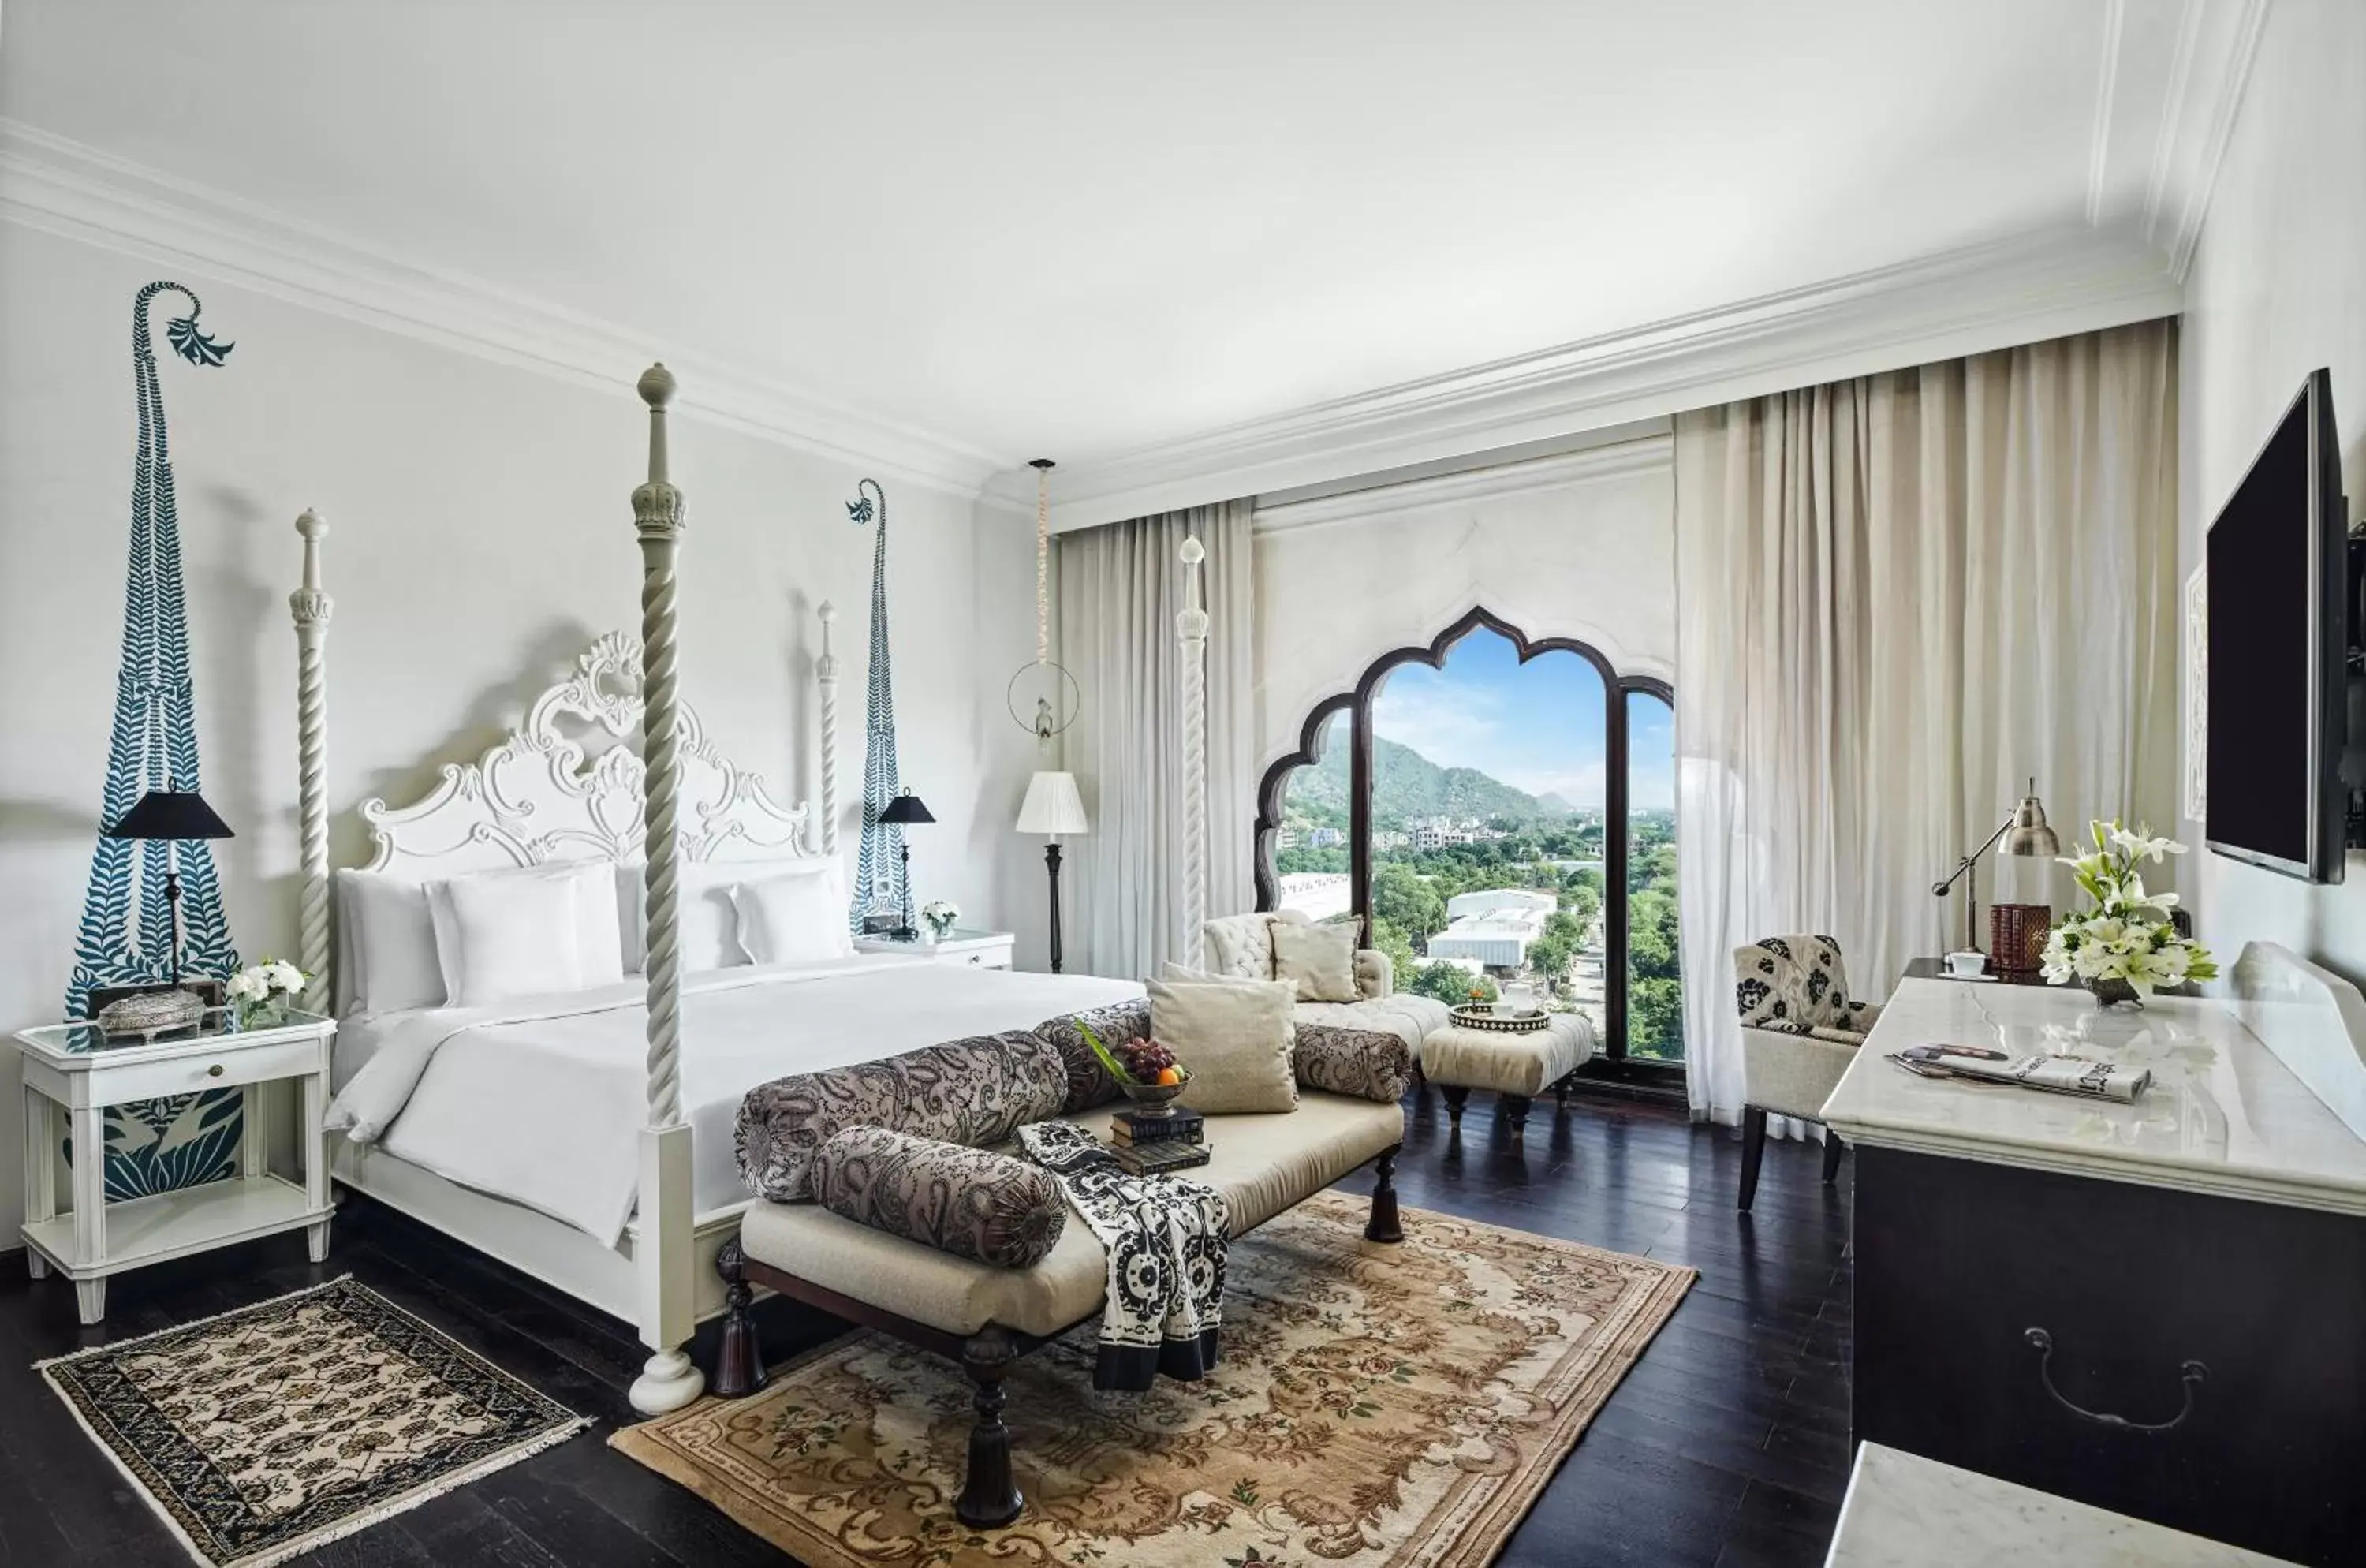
x,y
215,1071
975,959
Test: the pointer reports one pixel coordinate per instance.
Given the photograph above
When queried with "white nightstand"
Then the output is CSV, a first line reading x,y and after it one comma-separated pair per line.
x,y
978,950
72,1073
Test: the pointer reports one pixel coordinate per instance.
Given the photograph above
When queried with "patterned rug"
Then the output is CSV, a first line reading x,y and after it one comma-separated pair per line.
x,y
1376,1405
265,1431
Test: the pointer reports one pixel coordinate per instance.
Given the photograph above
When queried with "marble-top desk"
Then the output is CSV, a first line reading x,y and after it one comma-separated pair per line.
x,y
2158,1308
1902,1509
2223,1114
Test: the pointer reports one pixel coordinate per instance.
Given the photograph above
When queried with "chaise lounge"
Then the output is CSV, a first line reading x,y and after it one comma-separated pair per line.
x,y
887,1202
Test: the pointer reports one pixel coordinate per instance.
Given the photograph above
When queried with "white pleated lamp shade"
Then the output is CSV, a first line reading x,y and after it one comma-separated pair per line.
x,y
1053,806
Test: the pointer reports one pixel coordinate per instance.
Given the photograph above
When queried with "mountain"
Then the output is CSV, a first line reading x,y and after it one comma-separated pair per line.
x,y
1406,784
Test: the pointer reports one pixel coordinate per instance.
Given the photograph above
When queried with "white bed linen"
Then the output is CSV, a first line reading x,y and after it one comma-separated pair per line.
x,y
541,1100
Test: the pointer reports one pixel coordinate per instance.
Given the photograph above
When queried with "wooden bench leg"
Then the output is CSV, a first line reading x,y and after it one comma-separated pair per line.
x,y
739,1367
1455,1097
1561,1089
1515,1106
1832,1146
1384,1226
989,1495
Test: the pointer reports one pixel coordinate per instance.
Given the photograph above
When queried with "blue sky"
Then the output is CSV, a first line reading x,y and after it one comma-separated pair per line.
x,y
1536,726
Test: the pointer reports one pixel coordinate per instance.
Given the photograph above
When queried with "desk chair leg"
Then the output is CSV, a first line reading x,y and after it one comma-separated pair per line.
x,y
1832,1146
1754,1149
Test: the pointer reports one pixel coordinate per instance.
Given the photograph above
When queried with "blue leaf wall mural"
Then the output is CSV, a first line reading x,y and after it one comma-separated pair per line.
x,y
879,871
126,921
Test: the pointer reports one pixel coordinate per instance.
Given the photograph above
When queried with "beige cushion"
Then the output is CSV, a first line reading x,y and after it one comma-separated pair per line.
x,y
1508,1064
1241,946
1375,976
1232,1037
1261,1163
1792,1075
1319,960
1410,1018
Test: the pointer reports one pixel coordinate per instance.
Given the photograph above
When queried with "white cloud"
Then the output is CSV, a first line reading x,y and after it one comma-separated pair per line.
x,y
1452,726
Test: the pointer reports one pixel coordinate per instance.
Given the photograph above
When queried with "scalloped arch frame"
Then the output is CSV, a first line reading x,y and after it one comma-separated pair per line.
x,y
1357,705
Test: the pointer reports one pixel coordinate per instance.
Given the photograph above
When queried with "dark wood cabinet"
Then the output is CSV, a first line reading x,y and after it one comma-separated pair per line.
x,y
2188,1357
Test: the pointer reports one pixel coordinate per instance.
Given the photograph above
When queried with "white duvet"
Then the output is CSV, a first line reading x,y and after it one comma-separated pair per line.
x,y
541,1099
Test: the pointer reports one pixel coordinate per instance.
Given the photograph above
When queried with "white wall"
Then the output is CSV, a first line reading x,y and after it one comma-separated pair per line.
x,y
481,534
2278,288
1577,547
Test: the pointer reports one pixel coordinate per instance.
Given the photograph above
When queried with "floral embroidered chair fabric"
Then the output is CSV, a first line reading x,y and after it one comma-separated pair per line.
x,y
1800,1029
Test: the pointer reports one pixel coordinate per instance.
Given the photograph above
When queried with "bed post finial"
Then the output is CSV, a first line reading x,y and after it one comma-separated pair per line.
x,y
311,607
1191,627
826,676
662,1250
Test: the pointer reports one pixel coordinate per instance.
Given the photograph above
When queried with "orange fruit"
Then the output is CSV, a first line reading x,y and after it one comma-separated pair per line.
x,y
1169,1075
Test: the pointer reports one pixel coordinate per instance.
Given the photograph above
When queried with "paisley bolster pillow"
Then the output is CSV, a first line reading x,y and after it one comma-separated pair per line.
x,y
975,1092
1370,1063
1089,1083
969,1203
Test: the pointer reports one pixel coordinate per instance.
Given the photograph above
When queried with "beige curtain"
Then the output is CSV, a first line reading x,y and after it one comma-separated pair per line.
x,y
1898,599
1120,589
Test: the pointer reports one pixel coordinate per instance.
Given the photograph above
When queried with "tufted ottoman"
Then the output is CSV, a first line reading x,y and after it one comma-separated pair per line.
x,y
1516,1066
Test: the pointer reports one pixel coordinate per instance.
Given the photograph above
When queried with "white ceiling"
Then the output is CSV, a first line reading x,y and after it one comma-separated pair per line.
x,y
959,235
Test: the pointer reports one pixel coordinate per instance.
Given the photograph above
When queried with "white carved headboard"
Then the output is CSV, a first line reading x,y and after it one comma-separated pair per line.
x,y
544,795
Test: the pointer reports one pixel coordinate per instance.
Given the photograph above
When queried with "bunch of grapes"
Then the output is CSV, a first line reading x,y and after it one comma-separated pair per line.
x,y
1146,1061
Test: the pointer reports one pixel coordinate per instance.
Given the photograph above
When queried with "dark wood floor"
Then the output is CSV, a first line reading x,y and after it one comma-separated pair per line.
x,y
1727,1445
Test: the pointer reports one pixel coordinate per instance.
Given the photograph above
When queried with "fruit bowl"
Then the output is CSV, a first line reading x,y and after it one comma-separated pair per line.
x,y
1154,1097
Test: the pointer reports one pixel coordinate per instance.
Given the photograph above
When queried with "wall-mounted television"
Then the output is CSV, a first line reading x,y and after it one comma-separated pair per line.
x,y
2279,636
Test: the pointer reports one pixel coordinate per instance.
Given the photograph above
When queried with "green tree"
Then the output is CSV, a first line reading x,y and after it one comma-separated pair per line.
x,y
1451,983
1403,965
1403,899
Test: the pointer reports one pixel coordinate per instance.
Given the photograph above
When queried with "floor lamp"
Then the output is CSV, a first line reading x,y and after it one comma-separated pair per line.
x,y
1053,808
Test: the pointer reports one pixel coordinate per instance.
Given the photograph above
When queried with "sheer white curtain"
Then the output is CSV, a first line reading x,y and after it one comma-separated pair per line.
x,y
1120,587
1898,599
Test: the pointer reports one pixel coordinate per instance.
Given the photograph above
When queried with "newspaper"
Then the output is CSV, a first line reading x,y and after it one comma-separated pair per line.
x,y
2080,1075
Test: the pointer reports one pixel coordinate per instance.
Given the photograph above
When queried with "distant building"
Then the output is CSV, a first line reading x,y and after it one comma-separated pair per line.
x,y
1493,927
1388,839
1317,895
1327,839
1487,901
1285,838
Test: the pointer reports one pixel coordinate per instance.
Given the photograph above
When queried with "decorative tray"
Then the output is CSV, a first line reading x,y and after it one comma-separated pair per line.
x,y
1488,1019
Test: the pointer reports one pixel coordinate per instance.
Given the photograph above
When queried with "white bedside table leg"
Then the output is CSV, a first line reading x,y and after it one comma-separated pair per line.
x,y
90,1205
41,1171
314,1141
254,1130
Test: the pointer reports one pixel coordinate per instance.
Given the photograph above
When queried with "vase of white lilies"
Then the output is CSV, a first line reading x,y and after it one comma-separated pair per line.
x,y
2125,947
261,992
940,916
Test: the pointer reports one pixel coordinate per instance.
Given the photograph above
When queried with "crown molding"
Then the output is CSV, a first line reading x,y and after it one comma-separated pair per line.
x,y
1650,454
1933,308
2217,43
64,188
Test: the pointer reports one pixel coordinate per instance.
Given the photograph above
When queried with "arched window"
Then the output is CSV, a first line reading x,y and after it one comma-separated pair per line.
x,y
1501,811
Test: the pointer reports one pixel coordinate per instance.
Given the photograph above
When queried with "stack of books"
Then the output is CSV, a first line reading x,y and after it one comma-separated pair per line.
x,y
1149,1145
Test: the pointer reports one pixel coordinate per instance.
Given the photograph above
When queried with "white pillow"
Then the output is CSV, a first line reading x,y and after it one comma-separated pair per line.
x,y
386,944
709,921
792,919
529,931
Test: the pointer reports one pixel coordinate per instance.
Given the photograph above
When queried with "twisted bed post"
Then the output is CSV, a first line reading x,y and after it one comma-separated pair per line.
x,y
826,676
1191,626
311,608
662,1250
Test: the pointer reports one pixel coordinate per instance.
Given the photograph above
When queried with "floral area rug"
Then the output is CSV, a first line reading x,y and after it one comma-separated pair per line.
x,y
266,1431
1375,1404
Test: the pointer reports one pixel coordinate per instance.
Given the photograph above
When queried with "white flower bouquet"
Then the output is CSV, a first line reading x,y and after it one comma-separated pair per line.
x,y
941,918
2125,947
262,990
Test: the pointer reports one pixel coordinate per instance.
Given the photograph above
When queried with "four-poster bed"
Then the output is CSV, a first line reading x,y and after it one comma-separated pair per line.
x,y
501,1125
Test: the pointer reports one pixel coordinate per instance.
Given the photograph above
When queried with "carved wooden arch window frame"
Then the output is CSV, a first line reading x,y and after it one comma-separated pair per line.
x,y
1358,704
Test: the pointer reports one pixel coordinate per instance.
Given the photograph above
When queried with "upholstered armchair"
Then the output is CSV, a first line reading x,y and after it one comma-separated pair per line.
x,y
1800,1032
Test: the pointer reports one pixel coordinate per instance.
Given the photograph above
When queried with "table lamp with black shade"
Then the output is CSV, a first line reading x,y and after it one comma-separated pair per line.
x,y
170,815
902,813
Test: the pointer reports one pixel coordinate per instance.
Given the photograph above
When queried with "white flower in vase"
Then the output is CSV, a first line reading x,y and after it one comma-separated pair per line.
x,y
941,918
2125,947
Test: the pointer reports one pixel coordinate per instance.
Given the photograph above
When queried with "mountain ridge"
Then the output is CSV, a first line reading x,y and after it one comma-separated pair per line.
x,y
1406,784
